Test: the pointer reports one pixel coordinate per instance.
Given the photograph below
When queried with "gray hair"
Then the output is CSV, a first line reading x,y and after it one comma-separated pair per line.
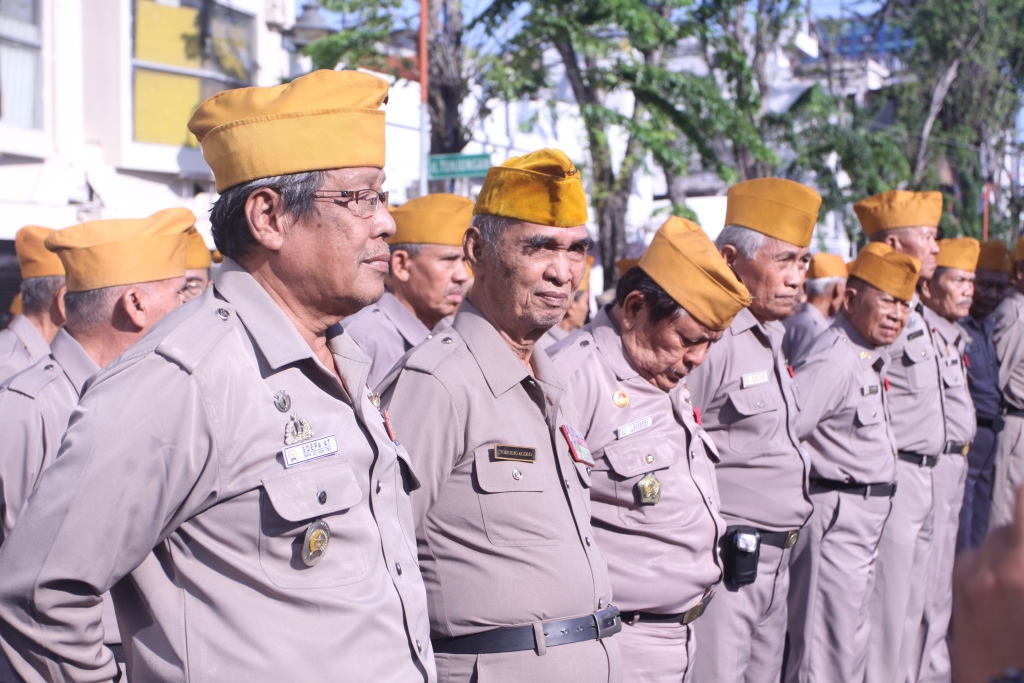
x,y
230,227
492,228
38,293
822,285
412,249
746,241
91,308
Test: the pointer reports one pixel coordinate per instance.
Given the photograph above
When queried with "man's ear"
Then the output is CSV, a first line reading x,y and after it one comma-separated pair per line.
x,y
473,247
57,312
268,222
400,260
729,254
925,288
133,304
849,299
632,307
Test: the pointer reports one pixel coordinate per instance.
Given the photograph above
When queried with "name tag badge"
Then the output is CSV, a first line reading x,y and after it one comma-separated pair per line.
x,y
914,335
310,450
634,427
754,379
577,446
517,453
869,391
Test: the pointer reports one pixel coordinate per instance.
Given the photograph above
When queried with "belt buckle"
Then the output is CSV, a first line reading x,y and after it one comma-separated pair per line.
x,y
791,537
691,614
965,449
608,622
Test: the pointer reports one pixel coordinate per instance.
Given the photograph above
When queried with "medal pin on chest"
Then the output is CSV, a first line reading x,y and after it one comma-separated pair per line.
x,y
649,489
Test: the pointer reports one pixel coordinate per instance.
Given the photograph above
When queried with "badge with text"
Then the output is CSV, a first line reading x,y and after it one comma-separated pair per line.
x,y
516,453
869,391
754,379
914,335
310,450
634,427
649,489
578,446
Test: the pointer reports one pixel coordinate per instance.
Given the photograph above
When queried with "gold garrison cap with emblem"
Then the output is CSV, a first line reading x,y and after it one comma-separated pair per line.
x,y
127,251
320,121
994,256
959,252
899,209
686,264
826,265
542,187
883,267
779,208
33,256
434,219
198,255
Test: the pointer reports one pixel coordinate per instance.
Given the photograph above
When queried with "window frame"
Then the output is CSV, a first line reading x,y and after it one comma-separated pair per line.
x,y
35,143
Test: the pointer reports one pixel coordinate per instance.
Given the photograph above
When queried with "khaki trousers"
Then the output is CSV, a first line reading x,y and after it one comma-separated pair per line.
x,y
949,478
831,579
1009,470
897,602
656,653
590,660
742,634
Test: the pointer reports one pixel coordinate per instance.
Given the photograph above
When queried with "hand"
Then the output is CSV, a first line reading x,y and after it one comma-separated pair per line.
x,y
988,613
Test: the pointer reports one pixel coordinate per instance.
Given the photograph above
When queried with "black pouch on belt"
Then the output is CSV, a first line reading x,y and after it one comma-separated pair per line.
x,y
741,550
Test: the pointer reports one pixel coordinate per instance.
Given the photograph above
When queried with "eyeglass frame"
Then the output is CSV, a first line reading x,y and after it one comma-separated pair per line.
x,y
339,197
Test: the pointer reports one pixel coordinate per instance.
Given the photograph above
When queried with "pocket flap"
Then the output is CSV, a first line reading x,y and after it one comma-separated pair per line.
x,y
952,375
915,353
709,446
295,495
500,476
753,401
631,458
869,415
406,459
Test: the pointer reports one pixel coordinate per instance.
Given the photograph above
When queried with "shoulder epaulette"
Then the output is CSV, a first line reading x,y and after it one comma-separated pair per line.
x,y
31,380
571,353
428,355
198,334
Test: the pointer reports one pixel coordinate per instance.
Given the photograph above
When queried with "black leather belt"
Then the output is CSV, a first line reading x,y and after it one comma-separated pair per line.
x,y
688,617
918,459
987,422
118,651
866,490
779,539
595,626
957,448
1015,412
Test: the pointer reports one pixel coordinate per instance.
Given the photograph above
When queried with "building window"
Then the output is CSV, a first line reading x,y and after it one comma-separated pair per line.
x,y
185,51
21,101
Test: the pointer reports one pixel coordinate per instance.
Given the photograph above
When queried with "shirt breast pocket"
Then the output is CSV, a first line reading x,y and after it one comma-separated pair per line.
x,y
755,424
290,502
513,497
919,360
952,375
631,462
868,415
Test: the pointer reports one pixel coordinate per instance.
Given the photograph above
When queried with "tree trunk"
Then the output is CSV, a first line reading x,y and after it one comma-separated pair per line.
x,y
938,97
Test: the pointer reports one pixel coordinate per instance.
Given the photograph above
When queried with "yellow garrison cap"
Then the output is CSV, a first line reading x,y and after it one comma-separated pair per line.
x,y
899,209
776,207
216,256
994,256
35,259
624,264
198,254
433,219
542,187
894,273
108,253
826,265
323,120
1018,251
959,252
15,307
687,265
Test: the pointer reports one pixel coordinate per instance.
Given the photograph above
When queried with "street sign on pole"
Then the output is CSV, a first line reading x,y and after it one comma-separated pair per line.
x,y
446,166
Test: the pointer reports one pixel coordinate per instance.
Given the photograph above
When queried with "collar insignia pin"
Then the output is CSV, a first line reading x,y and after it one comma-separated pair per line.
x,y
282,401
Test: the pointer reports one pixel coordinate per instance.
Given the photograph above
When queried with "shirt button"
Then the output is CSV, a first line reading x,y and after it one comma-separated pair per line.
x,y
566,483
429,336
379,486
322,497
649,458
222,313
760,404
588,541
873,413
419,646
923,354
693,454
600,603
517,474
398,568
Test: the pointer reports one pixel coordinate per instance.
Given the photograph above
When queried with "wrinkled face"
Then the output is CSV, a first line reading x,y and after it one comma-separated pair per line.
x,y
334,261
774,277
950,293
161,297
668,350
532,274
918,242
196,282
990,287
878,316
432,281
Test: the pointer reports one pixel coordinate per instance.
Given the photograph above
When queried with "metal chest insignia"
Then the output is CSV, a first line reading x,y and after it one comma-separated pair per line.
x,y
650,489
297,430
318,535
374,399
620,399
282,401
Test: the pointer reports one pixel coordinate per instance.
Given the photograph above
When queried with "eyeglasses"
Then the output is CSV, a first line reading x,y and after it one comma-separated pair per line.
x,y
362,203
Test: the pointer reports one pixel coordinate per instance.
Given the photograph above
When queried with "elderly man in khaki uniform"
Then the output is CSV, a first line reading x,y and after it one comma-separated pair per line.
x,y
745,394
197,262
229,478
845,425
825,285
517,588
27,338
428,270
947,297
908,222
654,496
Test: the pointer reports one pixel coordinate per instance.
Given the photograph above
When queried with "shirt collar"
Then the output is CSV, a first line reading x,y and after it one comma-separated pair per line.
x,y
73,359
609,343
29,336
404,320
859,343
950,331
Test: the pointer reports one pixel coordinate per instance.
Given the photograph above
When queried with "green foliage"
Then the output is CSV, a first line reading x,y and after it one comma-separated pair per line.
x,y
366,28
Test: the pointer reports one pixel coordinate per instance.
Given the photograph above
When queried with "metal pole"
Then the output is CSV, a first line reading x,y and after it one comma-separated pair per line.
x,y
424,90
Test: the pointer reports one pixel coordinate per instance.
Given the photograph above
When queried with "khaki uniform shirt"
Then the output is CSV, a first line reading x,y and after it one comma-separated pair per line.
x,y
1008,335
387,330
951,342
801,329
982,366
551,337
661,558
916,402
21,345
749,406
171,488
845,418
501,542
35,407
